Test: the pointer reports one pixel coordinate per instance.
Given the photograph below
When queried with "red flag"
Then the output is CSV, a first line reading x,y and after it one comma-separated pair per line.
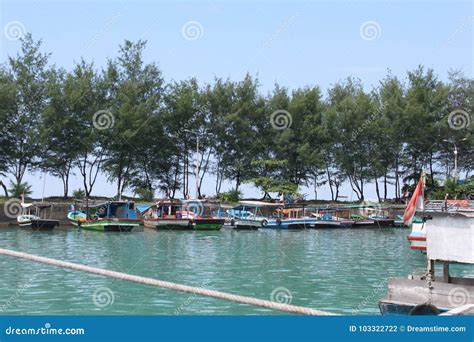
x,y
416,203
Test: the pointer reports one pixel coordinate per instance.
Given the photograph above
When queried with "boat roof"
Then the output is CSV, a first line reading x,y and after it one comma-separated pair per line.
x,y
143,207
260,204
110,203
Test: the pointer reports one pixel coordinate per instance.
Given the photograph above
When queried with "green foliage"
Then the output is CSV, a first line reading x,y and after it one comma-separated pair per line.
x,y
79,194
453,189
268,184
144,194
158,132
231,196
18,189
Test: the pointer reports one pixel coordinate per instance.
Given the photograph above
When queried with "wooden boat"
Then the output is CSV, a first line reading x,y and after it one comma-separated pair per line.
x,y
328,218
251,215
327,221
166,215
417,237
203,215
360,221
382,221
449,238
114,216
297,218
31,217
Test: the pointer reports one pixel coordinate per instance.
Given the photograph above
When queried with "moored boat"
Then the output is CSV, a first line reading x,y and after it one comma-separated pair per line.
x,y
114,216
31,216
360,221
166,215
203,215
417,236
448,237
250,215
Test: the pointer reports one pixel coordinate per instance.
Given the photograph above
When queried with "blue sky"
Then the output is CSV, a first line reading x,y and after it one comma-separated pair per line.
x,y
293,43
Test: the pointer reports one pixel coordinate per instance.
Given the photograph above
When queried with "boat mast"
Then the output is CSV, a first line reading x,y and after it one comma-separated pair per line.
x,y
44,185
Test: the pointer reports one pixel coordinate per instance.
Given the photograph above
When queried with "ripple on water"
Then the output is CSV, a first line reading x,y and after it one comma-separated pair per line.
x,y
334,270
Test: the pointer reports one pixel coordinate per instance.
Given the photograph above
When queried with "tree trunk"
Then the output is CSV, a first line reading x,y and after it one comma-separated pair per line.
x,y
315,187
431,168
330,183
385,186
237,181
5,190
377,190
397,180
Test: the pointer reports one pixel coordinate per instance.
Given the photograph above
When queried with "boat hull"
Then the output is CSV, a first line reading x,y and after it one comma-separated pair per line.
x,y
207,223
168,224
108,225
289,224
364,224
384,222
247,225
410,296
39,224
332,224
392,309
417,237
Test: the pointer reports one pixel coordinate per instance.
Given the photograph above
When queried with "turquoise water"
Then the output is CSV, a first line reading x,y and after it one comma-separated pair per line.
x,y
342,271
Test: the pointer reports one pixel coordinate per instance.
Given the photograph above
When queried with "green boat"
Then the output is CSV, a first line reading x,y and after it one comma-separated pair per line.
x,y
207,223
203,215
114,216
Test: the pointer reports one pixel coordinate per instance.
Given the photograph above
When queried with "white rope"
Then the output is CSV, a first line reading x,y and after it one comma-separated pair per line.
x,y
169,285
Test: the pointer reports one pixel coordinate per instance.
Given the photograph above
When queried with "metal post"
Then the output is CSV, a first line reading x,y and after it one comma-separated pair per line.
x,y
455,163
197,166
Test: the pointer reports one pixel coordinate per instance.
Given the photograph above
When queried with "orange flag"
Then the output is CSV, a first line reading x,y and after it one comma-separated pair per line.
x,y
416,203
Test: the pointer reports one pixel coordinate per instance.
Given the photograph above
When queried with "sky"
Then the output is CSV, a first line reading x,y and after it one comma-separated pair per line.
x,y
292,43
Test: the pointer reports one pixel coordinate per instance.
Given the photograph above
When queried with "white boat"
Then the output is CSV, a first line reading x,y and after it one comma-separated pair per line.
x,y
30,217
446,232
417,237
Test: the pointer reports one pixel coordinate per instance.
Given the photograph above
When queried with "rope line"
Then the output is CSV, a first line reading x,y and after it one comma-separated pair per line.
x,y
166,284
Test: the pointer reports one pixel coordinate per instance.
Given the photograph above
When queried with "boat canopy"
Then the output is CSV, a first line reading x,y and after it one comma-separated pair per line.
x,y
259,204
